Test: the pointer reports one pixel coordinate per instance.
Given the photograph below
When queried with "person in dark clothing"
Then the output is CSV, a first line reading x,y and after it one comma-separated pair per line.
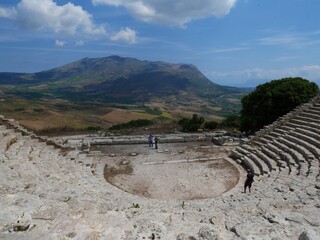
x,y
249,181
156,142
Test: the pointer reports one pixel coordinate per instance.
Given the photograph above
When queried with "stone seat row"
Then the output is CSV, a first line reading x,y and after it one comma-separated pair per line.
x,y
289,146
31,153
275,153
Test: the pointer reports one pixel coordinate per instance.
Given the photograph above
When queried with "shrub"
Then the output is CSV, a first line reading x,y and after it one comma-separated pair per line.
x,y
232,121
153,111
132,124
93,128
191,125
211,125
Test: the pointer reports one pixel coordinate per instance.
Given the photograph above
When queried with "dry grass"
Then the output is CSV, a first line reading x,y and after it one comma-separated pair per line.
x,y
122,116
43,115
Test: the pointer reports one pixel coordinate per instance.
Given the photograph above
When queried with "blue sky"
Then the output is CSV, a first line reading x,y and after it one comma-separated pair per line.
x,y
233,42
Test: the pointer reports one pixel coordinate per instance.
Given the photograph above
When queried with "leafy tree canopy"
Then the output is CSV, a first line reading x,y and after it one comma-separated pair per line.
x,y
191,125
211,125
232,121
274,99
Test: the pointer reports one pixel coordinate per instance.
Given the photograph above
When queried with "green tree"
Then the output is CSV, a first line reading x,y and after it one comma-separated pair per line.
x,y
274,99
232,121
211,125
191,125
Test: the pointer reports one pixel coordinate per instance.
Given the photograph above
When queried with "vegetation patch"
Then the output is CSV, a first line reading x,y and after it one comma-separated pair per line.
x,y
211,125
191,125
274,99
153,111
132,124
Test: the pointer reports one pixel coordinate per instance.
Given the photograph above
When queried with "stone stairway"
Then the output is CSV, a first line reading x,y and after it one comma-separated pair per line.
x,y
290,146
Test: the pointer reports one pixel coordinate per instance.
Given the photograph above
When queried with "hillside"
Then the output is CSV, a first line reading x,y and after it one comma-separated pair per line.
x,y
98,86
113,79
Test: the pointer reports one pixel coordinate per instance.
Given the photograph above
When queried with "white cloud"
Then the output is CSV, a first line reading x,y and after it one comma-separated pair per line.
x,y
79,43
287,39
46,14
125,35
169,12
10,13
291,39
60,43
255,76
225,50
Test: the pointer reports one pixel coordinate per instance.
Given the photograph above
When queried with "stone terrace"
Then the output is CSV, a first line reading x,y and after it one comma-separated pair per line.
x,y
51,192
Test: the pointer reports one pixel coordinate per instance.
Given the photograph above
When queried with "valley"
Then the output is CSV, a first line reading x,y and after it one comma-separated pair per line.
x,y
94,94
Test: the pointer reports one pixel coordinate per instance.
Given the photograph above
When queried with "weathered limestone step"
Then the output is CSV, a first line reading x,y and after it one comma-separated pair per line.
x,y
274,135
242,150
308,133
267,138
248,163
251,153
311,129
310,115
296,146
235,155
273,156
315,108
263,140
295,155
305,141
312,111
304,123
272,165
263,159
260,163
285,159
288,127
313,141
281,131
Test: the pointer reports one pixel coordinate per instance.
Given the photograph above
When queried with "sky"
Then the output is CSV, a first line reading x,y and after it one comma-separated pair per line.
x,y
239,43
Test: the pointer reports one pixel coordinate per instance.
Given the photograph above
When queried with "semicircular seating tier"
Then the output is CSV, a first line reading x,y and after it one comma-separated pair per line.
x,y
287,151
51,192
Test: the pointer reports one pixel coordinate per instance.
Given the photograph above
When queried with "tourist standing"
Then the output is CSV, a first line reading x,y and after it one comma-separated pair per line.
x,y
249,181
150,140
156,139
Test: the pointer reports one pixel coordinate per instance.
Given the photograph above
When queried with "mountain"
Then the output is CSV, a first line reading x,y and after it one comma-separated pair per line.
x,y
113,79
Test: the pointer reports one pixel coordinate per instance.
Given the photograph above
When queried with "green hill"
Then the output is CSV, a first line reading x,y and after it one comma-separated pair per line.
x,y
100,92
113,79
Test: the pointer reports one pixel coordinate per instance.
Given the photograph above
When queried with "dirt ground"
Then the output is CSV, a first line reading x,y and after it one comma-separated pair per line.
x,y
182,171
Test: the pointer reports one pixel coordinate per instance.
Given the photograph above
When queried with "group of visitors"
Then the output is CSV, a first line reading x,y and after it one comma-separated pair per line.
x,y
153,140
